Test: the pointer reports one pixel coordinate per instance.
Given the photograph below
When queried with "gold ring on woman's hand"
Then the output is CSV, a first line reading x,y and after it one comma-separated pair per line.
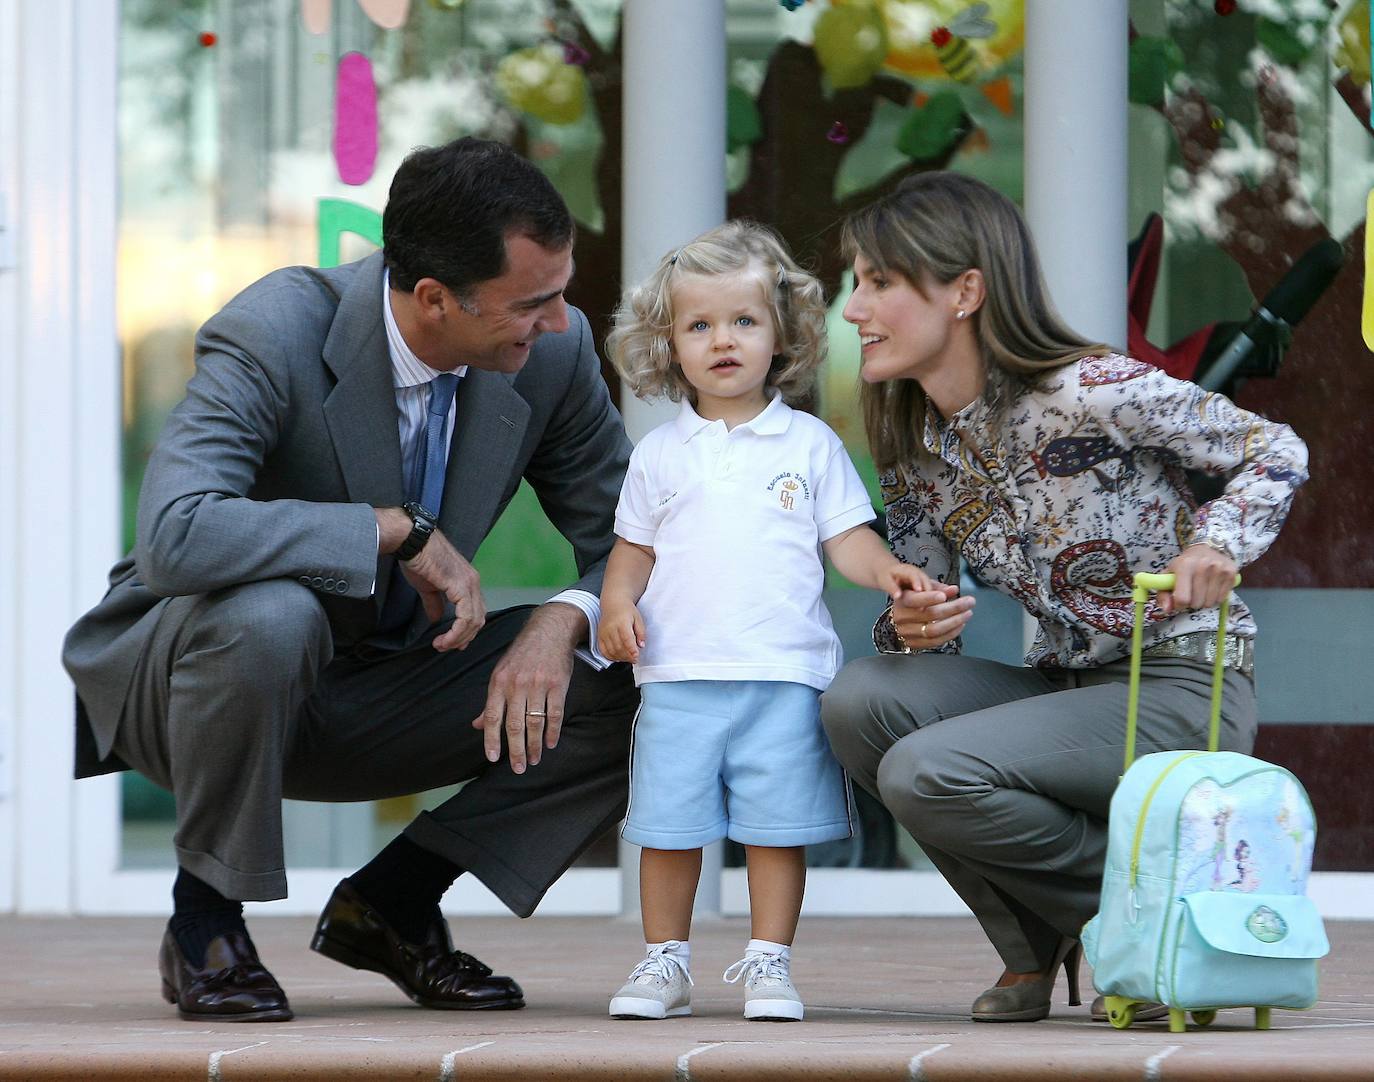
x,y
924,635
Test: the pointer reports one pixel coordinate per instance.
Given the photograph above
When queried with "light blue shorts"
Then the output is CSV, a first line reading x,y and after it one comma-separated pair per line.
x,y
743,759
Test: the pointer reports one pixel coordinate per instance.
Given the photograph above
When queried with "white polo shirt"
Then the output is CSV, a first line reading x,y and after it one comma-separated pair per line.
x,y
736,519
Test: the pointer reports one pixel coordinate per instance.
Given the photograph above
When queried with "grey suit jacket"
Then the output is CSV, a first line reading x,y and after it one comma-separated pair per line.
x,y
286,440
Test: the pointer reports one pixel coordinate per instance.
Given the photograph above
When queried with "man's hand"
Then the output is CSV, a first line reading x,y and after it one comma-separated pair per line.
x,y
1203,579
927,619
529,685
620,632
439,573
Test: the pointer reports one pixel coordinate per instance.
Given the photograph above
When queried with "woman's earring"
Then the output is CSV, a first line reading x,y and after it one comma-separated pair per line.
x,y
960,314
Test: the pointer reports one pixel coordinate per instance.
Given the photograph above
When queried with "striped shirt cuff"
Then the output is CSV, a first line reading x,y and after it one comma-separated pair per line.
x,y
590,605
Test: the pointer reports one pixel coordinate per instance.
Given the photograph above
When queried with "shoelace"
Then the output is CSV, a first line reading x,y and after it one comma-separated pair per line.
x,y
757,967
660,962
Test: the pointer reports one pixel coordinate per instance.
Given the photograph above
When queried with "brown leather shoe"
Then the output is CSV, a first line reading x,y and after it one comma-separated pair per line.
x,y
231,986
431,973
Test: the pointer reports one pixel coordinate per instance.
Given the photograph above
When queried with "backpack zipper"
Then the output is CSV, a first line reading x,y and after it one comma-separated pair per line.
x,y
1140,824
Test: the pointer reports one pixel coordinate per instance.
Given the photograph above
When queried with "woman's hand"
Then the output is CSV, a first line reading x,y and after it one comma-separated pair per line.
x,y
927,619
1203,578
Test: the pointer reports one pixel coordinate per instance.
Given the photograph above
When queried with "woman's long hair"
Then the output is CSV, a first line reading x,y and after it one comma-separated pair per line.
x,y
935,226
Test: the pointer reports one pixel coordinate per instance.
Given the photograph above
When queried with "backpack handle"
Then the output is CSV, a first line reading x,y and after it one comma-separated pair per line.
x,y
1147,583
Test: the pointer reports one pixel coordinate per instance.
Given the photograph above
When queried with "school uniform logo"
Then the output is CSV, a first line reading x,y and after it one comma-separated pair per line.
x,y
789,488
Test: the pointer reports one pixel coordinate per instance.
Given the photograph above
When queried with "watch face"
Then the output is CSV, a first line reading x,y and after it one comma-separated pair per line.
x,y
418,510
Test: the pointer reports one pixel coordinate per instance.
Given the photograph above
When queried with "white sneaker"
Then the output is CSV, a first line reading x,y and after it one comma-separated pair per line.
x,y
659,987
769,995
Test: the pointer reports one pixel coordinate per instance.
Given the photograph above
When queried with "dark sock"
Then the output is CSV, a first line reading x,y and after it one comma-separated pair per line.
x,y
404,883
199,914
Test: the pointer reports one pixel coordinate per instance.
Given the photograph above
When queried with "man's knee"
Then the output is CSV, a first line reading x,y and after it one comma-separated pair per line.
x,y
276,626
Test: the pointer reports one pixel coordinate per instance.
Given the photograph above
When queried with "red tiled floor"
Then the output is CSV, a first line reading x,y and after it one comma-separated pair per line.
x,y
886,999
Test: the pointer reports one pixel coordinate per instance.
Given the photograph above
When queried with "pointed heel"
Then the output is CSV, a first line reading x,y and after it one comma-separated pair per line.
x,y
1073,958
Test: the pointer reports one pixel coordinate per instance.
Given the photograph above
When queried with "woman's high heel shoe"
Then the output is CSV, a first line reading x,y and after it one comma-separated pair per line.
x,y
1029,1001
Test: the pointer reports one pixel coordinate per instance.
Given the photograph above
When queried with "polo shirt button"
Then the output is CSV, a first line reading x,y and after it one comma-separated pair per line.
x,y
341,586
317,582
329,584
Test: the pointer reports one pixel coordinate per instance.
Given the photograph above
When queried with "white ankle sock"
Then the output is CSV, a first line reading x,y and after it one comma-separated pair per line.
x,y
764,946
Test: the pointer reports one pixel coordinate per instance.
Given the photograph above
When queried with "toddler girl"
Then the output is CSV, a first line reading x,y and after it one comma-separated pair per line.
x,y
713,591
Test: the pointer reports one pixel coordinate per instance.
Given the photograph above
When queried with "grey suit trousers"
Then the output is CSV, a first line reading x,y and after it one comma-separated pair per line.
x,y
1004,774
239,701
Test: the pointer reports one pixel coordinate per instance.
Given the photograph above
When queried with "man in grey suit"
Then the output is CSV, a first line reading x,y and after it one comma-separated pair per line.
x,y
299,617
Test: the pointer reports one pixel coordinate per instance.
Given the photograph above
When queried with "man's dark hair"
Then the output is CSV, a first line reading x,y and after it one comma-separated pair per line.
x,y
451,207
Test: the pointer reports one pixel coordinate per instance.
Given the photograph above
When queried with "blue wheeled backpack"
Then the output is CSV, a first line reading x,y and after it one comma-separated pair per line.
x,y
1203,896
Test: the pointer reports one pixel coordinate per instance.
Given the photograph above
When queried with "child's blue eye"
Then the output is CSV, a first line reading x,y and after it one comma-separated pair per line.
x,y
699,325
745,321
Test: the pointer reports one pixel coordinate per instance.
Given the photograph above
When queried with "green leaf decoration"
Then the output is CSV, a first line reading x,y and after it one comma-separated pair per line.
x,y
743,125
930,129
1152,63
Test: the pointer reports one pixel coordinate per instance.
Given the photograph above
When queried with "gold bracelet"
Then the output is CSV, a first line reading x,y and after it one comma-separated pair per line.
x,y
1215,546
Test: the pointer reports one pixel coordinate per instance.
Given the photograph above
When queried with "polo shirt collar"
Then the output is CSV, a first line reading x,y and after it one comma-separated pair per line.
x,y
772,420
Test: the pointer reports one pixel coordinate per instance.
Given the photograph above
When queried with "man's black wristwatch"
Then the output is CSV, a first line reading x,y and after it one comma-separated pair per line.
x,y
422,524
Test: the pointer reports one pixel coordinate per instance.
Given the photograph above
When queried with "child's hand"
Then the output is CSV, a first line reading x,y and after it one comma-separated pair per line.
x,y
898,577
621,633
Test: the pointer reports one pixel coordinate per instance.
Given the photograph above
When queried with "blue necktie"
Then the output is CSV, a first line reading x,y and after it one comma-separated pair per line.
x,y
427,487
433,457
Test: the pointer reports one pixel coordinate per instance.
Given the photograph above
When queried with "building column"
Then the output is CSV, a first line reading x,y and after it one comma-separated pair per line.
x,y
674,143
1075,158
59,419
674,189
1074,119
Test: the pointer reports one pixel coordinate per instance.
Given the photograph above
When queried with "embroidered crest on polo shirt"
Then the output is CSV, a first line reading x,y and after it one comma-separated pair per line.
x,y
787,485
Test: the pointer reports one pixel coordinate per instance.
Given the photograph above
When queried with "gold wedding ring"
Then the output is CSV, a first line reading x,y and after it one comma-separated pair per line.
x,y
535,714
924,635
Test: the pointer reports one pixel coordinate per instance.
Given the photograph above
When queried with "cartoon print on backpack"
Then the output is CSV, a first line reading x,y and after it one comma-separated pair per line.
x,y
1246,878
1231,845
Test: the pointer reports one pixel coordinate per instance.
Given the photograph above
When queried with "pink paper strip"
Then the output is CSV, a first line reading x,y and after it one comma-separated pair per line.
x,y
388,14
355,119
315,14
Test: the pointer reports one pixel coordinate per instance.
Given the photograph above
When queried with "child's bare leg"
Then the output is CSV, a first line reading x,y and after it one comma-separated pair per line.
x,y
667,889
777,880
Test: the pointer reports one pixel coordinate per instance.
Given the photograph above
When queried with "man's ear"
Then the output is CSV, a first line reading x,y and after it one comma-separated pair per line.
x,y
432,299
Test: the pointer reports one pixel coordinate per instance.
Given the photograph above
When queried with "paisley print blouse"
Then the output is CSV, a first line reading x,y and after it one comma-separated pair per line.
x,y
1085,486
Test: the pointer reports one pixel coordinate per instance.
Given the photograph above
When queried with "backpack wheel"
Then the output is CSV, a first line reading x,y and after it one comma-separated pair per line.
x,y
1204,1018
1120,1011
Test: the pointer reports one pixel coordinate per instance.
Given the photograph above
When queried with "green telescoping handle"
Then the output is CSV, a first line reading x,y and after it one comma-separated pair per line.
x,y
1147,583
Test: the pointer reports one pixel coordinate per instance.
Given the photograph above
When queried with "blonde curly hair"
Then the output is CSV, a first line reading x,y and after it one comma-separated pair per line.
x,y
641,343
